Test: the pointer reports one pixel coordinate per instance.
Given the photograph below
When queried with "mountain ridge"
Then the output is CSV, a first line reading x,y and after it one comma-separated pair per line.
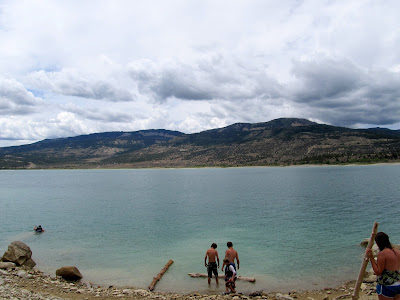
x,y
284,141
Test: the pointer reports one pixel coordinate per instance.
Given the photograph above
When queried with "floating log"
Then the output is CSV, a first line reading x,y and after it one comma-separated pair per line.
x,y
197,275
364,263
159,275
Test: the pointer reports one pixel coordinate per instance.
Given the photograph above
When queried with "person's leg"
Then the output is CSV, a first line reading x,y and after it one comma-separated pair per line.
x,y
381,297
386,292
397,293
215,271
227,285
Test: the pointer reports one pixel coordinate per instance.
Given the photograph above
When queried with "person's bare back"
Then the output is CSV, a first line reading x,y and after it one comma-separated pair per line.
x,y
212,254
231,254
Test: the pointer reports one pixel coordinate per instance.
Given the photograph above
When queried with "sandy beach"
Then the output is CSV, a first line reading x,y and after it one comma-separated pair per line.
x,y
20,283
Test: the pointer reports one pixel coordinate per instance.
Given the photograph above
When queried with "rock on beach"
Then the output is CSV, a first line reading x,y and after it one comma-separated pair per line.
x,y
20,254
34,284
21,282
69,273
7,265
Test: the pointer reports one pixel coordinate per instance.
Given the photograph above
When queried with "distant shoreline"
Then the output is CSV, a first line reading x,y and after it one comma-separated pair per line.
x,y
205,167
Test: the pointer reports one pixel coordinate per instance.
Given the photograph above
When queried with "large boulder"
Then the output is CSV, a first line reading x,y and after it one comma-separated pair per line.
x,y
69,273
20,254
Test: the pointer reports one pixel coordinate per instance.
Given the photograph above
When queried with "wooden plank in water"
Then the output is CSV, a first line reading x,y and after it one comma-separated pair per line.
x,y
159,275
364,263
198,275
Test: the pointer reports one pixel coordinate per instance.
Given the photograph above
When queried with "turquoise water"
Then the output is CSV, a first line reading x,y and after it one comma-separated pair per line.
x,y
293,227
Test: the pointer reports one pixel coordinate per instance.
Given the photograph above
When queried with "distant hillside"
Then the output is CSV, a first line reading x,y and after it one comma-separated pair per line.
x,y
80,151
278,142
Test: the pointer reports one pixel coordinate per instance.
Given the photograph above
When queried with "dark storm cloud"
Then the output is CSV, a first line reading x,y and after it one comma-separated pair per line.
x,y
341,93
321,81
210,79
334,91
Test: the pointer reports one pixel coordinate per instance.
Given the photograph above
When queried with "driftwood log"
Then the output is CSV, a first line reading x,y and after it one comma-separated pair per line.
x,y
159,275
197,275
364,263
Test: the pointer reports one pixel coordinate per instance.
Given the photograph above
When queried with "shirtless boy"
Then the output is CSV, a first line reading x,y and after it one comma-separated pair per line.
x,y
231,254
212,267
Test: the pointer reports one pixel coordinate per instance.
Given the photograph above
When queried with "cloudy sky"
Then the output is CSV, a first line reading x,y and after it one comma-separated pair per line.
x,y
76,67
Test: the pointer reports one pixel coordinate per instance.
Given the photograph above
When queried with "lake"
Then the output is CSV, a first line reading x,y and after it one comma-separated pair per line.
x,y
295,228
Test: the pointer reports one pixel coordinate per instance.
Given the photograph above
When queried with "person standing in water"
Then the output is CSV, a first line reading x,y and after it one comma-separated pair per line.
x,y
387,268
212,267
231,254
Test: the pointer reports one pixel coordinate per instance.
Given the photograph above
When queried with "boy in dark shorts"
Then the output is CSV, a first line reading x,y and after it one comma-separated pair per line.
x,y
212,267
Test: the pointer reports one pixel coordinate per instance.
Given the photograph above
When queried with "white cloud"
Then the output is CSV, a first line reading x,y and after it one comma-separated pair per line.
x,y
72,83
73,67
15,99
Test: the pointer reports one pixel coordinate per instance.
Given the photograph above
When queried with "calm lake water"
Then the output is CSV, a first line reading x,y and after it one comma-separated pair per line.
x,y
293,227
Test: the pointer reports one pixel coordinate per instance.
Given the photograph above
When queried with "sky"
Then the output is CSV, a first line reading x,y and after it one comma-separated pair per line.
x,y
71,67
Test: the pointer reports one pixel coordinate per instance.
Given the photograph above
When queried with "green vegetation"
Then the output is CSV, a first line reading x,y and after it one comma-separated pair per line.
x,y
280,142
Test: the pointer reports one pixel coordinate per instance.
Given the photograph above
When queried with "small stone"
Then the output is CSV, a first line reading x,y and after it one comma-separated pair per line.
x,y
255,294
7,265
279,296
22,274
2,272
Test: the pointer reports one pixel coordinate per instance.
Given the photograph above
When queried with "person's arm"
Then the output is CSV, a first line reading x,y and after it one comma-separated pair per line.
x,y
205,259
237,259
216,253
379,265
